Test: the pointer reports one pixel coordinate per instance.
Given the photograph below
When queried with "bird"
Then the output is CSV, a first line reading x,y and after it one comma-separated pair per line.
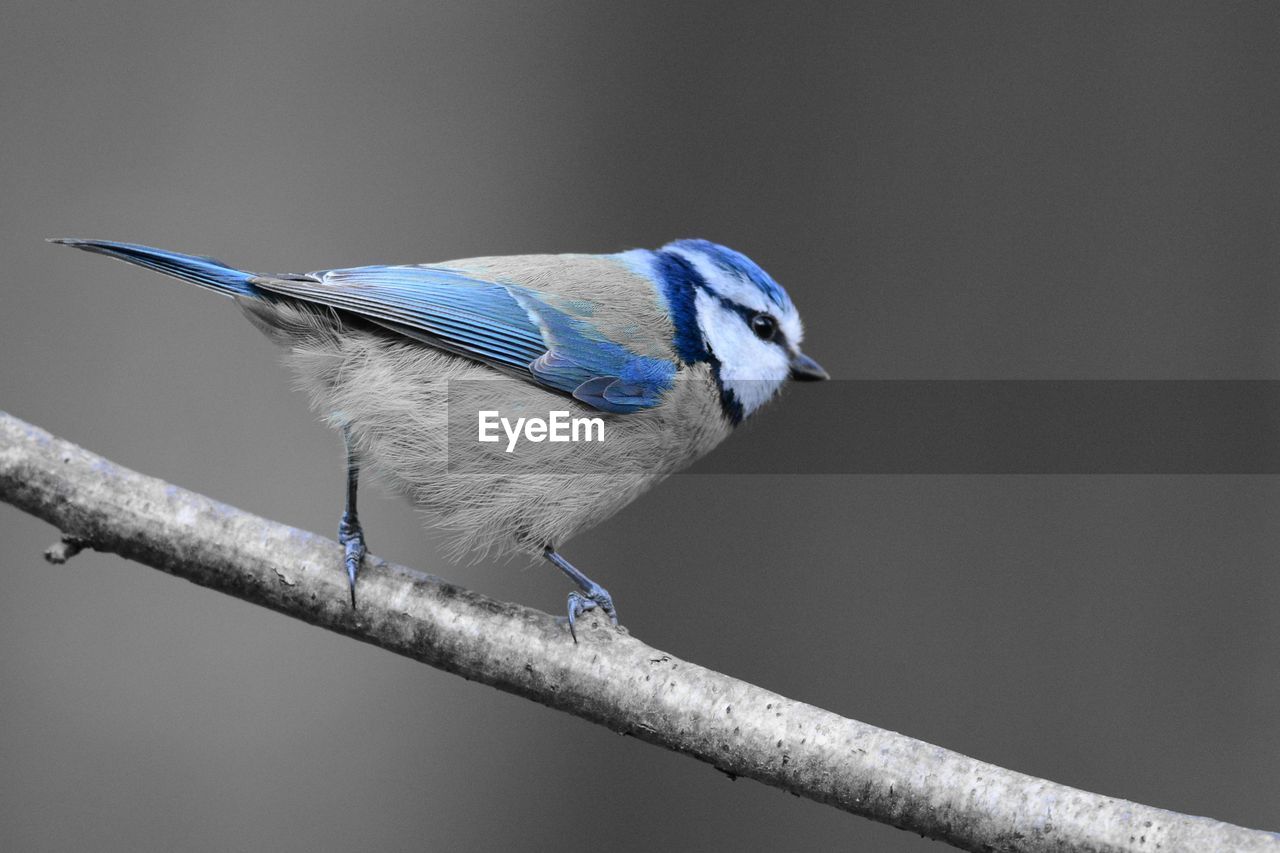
x,y
670,348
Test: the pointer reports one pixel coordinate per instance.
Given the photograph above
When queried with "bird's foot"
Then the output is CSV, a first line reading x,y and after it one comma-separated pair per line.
x,y
588,596
590,599
351,537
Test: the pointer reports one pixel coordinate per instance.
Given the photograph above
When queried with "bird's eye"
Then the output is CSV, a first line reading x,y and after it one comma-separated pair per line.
x,y
764,326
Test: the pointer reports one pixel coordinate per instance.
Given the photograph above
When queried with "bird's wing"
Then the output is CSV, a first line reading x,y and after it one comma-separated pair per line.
x,y
517,329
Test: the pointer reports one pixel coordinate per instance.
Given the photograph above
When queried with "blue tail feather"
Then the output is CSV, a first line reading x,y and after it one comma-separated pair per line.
x,y
205,272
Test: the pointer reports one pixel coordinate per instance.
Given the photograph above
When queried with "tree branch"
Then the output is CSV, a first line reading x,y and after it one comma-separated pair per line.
x,y
610,678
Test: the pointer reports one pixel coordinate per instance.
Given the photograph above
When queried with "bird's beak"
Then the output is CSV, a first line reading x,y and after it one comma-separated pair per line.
x,y
806,369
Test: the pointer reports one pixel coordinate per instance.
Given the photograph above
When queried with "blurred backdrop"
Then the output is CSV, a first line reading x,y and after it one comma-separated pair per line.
x,y
949,191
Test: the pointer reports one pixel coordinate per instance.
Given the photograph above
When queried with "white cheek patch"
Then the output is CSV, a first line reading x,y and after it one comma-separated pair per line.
x,y
752,393
752,369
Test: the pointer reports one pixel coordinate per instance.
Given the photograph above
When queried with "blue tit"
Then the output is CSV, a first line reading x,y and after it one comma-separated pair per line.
x,y
672,348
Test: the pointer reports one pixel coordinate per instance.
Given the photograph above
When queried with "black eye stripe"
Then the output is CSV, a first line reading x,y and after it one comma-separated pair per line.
x,y
748,315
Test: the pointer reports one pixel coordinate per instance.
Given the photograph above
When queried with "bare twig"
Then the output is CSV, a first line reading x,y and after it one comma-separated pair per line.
x,y
610,678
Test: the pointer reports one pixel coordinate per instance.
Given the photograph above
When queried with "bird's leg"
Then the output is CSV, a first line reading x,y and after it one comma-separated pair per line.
x,y
592,594
350,534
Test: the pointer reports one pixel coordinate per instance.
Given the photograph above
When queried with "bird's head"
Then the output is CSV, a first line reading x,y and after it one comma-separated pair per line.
x,y
730,313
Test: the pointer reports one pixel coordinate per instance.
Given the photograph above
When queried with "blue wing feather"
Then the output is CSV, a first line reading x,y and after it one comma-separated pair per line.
x,y
503,325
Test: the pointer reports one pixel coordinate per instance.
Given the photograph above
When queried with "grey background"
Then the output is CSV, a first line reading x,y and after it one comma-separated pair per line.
x,y
949,191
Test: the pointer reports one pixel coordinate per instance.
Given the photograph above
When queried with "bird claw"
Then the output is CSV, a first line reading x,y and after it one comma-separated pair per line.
x,y
581,602
351,537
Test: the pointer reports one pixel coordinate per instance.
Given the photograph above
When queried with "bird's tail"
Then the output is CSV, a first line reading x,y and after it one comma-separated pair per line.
x,y
205,272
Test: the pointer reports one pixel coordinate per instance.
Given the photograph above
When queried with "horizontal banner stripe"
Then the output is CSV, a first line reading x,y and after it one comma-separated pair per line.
x,y
944,427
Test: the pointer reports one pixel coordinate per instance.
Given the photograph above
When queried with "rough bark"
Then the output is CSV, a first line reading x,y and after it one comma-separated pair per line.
x,y
609,678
